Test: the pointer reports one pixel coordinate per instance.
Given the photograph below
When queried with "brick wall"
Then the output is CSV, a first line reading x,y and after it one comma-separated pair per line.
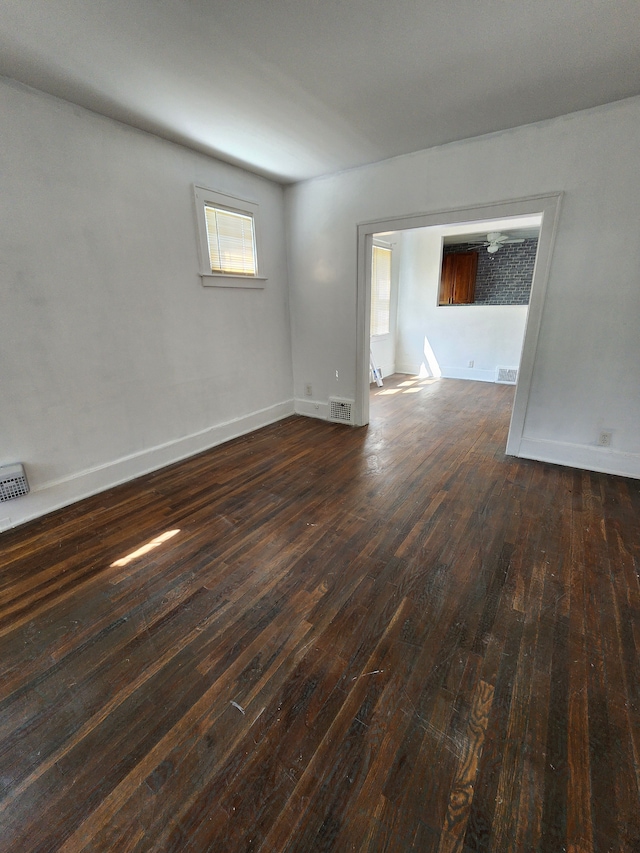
x,y
505,277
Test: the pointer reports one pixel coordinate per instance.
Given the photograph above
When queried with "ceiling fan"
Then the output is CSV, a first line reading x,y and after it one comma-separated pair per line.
x,y
495,240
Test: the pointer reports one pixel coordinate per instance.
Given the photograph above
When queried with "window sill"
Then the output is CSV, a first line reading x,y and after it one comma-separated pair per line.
x,y
213,279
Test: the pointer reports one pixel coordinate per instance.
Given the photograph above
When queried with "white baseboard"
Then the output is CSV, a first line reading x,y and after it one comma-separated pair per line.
x,y
587,457
408,369
475,374
311,408
56,494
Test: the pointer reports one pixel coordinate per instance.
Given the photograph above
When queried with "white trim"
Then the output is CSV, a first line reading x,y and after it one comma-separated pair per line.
x,y
56,494
473,374
548,206
408,369
311,408
204,196
219,279
584,456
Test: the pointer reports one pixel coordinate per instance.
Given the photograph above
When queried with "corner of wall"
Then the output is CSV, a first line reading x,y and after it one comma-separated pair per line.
x,y
311,408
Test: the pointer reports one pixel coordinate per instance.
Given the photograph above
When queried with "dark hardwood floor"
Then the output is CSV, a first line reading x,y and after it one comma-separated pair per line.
x,y
382,639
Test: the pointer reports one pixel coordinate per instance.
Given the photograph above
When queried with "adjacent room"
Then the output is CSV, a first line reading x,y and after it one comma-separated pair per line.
x,y
250,599
421,319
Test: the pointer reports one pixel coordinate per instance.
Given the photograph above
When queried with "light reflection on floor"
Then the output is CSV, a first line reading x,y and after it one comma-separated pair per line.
x,y
409,386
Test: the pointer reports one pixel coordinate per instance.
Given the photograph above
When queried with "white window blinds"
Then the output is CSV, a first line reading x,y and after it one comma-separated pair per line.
x,y
380,290
231,240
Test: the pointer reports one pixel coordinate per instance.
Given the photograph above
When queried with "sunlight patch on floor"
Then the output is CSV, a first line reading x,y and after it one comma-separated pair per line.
x,y
144,549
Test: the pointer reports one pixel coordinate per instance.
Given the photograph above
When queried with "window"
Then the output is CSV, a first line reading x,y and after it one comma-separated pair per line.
x,y
380,291
231,241
228,236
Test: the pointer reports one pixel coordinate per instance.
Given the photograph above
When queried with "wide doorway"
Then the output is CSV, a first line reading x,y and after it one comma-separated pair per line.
x,y
452,301
429,337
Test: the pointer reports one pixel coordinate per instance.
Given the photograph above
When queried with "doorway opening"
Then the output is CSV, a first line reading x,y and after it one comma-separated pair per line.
x,y
416,353
447,302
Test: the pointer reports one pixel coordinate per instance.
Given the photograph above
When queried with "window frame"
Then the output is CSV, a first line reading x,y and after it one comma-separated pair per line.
x,y
205,197
379,244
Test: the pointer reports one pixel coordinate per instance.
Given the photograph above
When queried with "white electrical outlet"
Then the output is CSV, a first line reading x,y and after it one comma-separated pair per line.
x,y
308,389
471,363
604,439
337,377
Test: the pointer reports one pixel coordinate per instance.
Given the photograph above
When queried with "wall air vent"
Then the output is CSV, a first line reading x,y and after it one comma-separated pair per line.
x,y
13,482
507,375
341,411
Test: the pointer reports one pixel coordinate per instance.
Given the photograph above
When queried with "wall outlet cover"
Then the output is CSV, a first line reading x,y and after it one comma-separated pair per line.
x,y
604,439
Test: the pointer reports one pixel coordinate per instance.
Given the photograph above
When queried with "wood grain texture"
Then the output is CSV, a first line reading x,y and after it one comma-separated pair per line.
x,y
383,639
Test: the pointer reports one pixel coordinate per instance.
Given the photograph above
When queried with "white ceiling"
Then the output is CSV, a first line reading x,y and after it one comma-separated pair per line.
x,y
464,232
297,88
515,226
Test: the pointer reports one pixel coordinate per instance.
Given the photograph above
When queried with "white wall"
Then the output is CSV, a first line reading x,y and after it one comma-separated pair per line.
x,y
114,359
587,368
442,340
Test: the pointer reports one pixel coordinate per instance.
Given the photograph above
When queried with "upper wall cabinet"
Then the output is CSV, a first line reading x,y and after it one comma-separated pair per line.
x,y
458,279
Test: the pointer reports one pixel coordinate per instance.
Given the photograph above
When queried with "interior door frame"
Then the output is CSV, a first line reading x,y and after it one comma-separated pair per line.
x,y
548,206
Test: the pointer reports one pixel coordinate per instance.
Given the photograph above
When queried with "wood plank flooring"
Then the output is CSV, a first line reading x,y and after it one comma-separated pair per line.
x,y
383,639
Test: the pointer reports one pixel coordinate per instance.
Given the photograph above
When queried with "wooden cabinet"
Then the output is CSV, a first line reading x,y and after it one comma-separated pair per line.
x,y
458,279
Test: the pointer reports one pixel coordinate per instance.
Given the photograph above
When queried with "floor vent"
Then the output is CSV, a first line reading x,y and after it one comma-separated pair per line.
x,y
507,375
13,482
341,411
